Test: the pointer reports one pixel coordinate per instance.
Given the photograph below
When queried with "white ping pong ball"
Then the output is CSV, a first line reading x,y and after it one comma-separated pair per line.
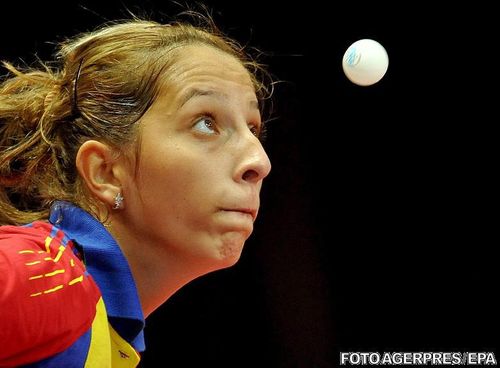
x,y
365,62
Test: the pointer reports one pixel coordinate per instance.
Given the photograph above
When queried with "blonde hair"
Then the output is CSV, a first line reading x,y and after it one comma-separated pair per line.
x,y
102,85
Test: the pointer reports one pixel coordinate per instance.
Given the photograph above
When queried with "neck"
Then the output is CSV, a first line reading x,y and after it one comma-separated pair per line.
x,y
158,273
156,281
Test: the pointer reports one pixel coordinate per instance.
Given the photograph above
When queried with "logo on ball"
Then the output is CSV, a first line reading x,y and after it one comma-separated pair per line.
x,y
352,57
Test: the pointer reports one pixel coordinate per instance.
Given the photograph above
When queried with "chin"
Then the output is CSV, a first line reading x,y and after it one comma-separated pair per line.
x,y
231,248
229,261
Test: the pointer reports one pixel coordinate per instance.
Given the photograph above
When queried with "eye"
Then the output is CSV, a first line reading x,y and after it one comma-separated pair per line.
x,y
205,125
259,131
255,130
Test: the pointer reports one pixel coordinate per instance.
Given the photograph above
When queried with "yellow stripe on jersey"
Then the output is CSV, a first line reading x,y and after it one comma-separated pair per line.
x,y
100,344
122,354
107,348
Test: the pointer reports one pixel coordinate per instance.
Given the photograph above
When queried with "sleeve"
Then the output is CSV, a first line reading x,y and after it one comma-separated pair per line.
x,y
47,298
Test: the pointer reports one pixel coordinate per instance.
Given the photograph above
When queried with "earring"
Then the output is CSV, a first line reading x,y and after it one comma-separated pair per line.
x,y
118,201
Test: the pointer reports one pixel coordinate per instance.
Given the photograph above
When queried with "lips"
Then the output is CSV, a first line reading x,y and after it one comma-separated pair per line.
x,y
246,211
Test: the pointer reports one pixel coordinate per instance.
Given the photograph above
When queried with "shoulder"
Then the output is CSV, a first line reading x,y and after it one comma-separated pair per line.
x,y
47,299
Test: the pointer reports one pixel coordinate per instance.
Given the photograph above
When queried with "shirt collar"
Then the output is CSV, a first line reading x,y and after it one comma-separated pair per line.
x,y
108,266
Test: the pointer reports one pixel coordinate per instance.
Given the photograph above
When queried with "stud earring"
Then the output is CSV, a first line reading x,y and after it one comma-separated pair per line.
x,y
118,202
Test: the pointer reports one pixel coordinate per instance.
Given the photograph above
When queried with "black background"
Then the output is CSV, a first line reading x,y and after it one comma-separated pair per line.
x,y
376,231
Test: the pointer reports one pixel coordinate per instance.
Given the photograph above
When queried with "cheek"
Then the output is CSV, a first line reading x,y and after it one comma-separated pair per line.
x,y
175,180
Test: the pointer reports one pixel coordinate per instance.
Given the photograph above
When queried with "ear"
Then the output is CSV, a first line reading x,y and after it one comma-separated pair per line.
x,y
98,166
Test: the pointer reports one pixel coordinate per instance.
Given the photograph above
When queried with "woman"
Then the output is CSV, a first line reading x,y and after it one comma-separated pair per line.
x,y
137,166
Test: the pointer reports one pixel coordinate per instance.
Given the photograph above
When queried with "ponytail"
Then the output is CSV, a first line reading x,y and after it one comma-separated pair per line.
x,y
27,113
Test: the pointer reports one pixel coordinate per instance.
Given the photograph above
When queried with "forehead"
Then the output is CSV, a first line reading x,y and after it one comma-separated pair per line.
x,y
207,68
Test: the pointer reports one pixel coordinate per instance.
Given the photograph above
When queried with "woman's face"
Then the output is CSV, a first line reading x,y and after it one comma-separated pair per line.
x,y
200,163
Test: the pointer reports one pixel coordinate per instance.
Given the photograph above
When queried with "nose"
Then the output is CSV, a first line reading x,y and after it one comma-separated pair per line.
x,y
254,165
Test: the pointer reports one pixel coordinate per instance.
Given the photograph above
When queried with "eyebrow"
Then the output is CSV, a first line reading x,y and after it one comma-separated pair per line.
x,y
196,92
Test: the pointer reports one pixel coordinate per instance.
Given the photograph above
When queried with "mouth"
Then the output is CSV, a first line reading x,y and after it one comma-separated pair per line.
x,y
244,211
